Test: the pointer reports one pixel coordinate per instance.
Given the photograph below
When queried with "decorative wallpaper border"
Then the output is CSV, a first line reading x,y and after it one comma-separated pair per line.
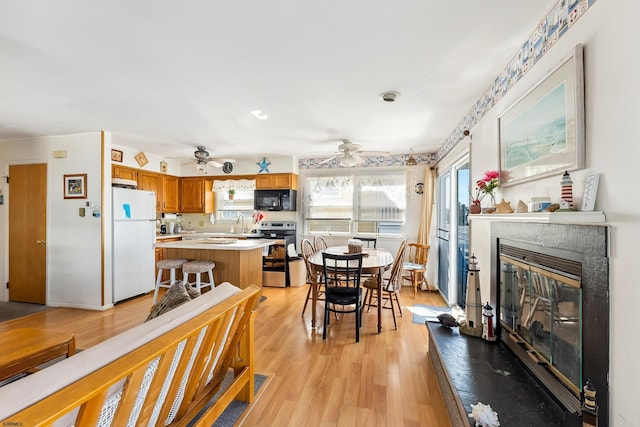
x,y
370,161
560,18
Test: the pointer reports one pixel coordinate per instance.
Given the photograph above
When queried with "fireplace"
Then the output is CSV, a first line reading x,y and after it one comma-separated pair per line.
x,y
552,301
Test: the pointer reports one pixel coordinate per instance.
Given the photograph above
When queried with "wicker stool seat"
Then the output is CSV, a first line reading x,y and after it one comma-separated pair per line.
x,y
171,264
197,268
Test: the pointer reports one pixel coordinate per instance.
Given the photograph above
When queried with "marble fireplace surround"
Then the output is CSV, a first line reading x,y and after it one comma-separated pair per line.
x,y
584,243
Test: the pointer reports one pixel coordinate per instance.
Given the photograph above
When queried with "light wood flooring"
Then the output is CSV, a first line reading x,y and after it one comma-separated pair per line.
x,y
384,380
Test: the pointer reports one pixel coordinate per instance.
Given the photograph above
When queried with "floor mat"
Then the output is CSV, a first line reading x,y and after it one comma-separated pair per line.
x,y
427,313
12,310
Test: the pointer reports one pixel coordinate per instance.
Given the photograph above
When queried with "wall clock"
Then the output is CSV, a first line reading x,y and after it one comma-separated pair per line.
x,y
227,167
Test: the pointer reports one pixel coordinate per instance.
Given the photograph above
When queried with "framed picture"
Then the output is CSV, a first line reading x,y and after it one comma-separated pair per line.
x,y
75,186
141,159
116,155
542,134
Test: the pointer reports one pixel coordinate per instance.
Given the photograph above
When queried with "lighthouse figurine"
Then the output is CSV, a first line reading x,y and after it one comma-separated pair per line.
x,y
488,332
473,302
566,196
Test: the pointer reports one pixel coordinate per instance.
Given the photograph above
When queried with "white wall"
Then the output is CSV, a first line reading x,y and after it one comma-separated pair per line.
x,y
609,33
74,244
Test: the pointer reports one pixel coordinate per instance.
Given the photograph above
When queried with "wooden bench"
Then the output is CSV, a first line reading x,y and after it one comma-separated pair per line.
x,y
24,349
163,372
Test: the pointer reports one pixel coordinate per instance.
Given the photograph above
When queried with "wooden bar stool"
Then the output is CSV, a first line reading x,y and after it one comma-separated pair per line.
x,y
197,268
167,264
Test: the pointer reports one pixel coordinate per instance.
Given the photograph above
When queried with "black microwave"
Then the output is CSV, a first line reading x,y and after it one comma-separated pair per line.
x,y
274,200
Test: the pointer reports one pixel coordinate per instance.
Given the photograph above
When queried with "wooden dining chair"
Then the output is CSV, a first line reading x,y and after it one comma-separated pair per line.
x,y
369,242
416,264
319,243
390,286
342,289
308,249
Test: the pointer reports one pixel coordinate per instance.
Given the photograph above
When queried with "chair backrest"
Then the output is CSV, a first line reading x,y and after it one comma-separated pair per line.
x,y
341,270
393,283
307,249
369,242
418,253
319,243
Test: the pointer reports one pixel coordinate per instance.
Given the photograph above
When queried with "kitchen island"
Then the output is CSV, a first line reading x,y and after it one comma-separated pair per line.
x,y
238,262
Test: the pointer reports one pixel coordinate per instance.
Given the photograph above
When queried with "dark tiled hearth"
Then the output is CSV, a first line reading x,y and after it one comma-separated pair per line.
x,y
471,370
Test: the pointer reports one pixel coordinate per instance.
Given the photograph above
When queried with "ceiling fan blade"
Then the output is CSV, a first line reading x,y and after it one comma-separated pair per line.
x,y
359,160
374,153
215,163
328,160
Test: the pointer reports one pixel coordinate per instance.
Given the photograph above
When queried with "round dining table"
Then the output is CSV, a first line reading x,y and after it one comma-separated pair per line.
x,y
374,262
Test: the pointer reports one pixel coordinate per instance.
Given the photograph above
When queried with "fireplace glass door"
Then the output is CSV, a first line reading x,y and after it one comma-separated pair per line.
x,y
542,307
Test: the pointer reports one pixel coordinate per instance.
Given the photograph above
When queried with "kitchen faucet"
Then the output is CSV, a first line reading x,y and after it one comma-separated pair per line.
x,y
241,219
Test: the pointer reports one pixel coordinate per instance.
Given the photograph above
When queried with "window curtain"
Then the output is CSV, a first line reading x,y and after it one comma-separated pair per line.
x,y
425,229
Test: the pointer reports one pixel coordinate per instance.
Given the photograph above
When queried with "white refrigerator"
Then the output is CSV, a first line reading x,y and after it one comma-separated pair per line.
x,y
134,237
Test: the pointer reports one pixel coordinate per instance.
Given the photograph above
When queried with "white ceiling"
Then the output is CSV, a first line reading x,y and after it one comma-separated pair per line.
x,y
165,76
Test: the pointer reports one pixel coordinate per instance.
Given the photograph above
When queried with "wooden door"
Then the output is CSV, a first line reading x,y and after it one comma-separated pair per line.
x,y
170,193
27,233
151,181
124,172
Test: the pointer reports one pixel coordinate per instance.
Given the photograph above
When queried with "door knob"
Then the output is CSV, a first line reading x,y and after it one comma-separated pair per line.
x,y
41,242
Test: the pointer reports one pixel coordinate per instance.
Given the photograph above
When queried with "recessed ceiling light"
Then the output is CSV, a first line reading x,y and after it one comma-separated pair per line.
x,y
260,115
389,96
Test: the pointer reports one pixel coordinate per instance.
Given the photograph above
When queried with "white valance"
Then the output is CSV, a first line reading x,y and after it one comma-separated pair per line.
x,y
236,184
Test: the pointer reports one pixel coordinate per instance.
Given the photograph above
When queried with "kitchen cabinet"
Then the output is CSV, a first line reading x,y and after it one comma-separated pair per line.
x,y
277,181
196,195
151,181
124,172
170,200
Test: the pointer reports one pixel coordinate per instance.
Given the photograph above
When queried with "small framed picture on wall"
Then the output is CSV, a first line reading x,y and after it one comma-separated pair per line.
x,y
116,155
75,186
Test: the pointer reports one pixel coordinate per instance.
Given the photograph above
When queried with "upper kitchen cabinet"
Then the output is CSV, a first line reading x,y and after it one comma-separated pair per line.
x,y
277,181
196,195
124,172
170,199
151,181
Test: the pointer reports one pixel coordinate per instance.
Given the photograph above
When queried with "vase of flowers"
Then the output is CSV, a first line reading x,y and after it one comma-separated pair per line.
x,y
486,187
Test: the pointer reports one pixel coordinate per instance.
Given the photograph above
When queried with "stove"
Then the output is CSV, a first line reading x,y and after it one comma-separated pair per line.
x,y
277,229
275,264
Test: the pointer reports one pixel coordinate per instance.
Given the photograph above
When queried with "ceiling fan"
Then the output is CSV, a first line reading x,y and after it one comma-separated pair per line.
x,y
349,154
203,160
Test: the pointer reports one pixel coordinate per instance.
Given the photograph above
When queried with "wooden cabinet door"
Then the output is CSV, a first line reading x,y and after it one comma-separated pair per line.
x,y
282,181
124,172
192,195
170,194
151,181
263,182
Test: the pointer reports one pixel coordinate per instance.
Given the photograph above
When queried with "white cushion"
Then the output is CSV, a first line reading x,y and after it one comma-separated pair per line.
x,y
26,391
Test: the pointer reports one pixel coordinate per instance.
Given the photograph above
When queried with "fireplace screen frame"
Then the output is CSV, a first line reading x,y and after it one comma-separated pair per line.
x,y
537,310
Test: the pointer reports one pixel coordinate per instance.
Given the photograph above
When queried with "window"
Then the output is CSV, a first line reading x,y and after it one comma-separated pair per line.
x,y
240,203
356,204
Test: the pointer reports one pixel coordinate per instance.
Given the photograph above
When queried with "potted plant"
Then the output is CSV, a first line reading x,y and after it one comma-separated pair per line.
x,y
231,193
485,186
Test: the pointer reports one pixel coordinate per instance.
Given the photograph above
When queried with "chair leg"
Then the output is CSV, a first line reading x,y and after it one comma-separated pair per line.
x,y
358,319
393,311
306,301
158,282
398,302
211,282
326,321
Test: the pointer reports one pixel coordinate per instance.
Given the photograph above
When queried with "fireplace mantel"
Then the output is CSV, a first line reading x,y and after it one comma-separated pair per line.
x,y
574,217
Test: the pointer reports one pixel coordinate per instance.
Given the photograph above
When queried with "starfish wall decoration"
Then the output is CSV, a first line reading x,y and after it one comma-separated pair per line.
x,y
264,165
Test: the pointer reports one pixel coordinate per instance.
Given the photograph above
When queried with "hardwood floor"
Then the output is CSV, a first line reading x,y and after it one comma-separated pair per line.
x,y
384,380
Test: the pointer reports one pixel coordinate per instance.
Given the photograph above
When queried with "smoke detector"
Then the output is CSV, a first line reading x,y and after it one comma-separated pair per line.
x,y
389,96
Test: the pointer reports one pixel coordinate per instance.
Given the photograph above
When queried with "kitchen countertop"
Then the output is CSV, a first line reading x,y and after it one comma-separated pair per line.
x,y
204,234
238,245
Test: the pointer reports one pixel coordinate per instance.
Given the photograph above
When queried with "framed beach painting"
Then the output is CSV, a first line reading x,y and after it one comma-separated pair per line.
x,y
542,134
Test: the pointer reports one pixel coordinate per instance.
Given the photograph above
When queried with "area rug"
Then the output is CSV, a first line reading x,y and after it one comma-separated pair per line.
x,y
12,310
427,313
236,407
